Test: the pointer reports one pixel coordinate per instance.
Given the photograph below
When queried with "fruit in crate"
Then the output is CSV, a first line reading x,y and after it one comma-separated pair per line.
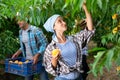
x,y
55,52
19,67
16,61
20,62
26,61
10,61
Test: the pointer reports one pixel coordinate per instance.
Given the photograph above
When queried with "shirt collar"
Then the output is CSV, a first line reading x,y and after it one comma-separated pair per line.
x,y
54,38
29,28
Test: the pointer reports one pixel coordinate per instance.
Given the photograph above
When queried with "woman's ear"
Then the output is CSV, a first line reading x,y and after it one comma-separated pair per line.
x,y
54,27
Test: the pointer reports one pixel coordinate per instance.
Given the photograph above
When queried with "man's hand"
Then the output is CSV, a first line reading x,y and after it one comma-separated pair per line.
x,y
36,58
16,54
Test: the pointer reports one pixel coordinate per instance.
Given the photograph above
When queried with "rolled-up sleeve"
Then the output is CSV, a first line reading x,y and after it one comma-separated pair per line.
x,y
42,41
85,35
47,62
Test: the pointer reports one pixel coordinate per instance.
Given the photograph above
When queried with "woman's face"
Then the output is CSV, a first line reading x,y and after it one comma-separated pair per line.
x,y
60,25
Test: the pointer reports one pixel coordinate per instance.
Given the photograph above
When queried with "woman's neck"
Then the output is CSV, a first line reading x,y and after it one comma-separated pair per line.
x,y
61,38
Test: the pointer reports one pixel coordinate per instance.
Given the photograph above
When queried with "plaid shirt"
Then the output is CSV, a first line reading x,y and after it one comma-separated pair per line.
x,y
85,50
62,68
37,41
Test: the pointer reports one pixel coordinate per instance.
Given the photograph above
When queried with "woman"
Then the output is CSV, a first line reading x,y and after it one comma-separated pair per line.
x,y
67,65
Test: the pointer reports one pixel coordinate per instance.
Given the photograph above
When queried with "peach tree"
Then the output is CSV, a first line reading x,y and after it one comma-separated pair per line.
x,y
105,13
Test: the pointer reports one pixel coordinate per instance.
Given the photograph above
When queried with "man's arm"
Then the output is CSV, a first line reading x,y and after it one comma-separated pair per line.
x,y
17,54
41,39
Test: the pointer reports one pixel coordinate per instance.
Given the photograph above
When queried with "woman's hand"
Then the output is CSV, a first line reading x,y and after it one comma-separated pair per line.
x,y
88,17
54,60
84,6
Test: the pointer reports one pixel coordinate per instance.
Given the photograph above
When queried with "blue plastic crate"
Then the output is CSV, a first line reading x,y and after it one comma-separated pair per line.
x,y
25,69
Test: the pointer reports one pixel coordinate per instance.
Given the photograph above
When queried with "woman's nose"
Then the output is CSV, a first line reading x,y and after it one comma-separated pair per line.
x,y
64,22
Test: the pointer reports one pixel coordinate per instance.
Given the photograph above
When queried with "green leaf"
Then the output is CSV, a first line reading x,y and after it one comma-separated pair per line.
x,y
109,58
2,5
103,41
110,36
118,60
30,19
96,61
96,49
99,2
93,5
77,6
67,2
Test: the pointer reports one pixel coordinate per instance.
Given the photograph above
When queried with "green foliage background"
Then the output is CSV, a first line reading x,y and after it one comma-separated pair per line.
x,y
37,11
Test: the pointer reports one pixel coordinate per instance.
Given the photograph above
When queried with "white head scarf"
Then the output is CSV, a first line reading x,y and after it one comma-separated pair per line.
x,y
49,24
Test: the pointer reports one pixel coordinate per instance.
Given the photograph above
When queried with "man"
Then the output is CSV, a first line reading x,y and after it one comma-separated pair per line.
x,y
32,45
